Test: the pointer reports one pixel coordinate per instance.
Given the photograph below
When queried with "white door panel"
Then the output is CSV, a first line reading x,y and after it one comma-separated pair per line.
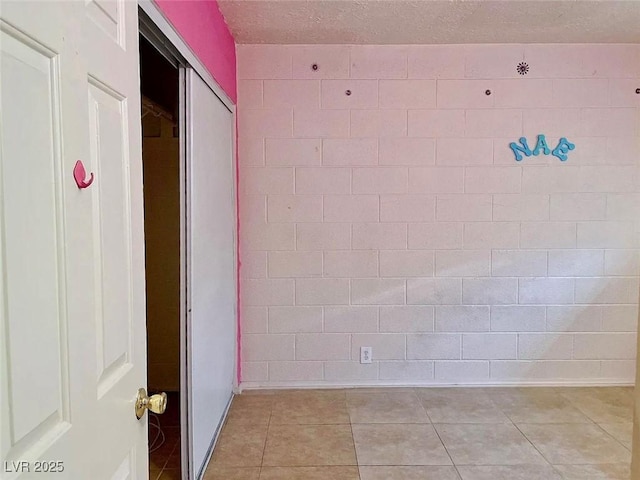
x,y
212,281
111,236
73,326
33,301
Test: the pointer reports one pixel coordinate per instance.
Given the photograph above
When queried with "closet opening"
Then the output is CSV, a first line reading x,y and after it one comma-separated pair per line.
x,y
160,88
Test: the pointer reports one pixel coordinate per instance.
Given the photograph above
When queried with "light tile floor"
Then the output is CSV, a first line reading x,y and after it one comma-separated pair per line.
x,y
164,463
427,434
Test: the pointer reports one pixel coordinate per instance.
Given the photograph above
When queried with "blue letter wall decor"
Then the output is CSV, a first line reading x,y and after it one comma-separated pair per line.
x,y
561,150
564,146
517,148
541,144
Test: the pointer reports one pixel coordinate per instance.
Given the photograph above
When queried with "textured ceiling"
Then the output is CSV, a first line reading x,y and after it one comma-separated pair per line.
x,y
432,21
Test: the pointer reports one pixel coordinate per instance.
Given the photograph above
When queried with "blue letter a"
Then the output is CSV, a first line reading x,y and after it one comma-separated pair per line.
x,y
541,144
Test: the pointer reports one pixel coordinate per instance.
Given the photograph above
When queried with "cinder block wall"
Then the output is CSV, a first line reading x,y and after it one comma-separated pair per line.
x,y
396,216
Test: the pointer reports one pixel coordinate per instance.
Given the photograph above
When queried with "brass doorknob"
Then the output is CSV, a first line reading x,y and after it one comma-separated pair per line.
x,y
156,403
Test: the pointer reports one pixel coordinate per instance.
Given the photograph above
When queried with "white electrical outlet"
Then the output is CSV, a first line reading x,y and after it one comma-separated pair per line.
x,y
366,354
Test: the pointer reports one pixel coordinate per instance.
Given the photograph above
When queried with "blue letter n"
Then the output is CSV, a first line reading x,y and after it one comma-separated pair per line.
x,y
517,149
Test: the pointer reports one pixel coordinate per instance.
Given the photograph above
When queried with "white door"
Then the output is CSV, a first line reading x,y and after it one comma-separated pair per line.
x,y
72,287
211,277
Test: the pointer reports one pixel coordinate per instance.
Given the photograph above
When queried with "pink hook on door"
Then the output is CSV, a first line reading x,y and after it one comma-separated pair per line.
x,y
80,175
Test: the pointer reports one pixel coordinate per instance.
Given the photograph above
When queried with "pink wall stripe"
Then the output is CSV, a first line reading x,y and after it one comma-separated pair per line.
x,y
203,27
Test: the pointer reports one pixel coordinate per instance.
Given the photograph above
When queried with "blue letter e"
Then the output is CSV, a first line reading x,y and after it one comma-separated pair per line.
x,y
564,146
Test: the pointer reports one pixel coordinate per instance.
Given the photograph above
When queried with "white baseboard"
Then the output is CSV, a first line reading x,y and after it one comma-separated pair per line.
x,y
597,382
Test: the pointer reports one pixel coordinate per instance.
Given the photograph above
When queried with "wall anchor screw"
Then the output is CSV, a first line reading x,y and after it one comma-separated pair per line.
x,y
523,68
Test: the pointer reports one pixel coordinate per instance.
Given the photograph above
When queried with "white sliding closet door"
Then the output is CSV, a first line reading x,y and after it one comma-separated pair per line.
x,y
211,287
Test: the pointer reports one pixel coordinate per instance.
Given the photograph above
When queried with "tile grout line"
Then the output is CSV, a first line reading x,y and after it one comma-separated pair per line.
x,y
610,435
353,438
532,444
264,448
426,412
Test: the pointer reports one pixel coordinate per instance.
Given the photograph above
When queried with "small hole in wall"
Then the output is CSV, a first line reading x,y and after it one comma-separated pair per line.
x,y
314,66
347,93
487,92
638,91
